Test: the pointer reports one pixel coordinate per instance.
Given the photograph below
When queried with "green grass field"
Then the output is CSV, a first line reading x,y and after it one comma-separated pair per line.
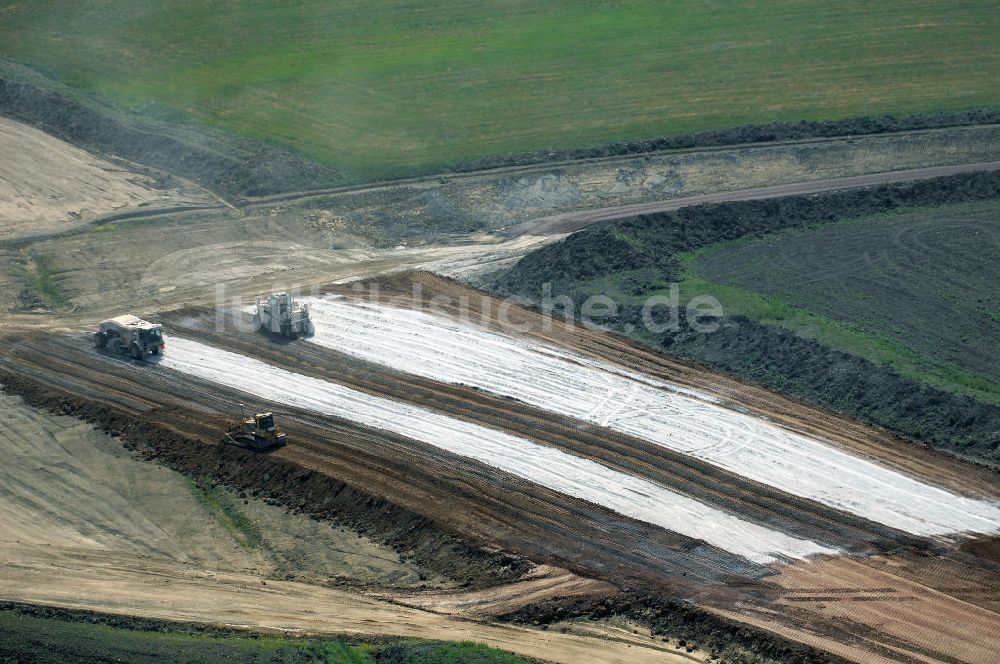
x,y
918,291
29,638
385,88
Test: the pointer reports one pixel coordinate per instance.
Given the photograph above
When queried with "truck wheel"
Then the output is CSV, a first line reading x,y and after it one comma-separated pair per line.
x,y
136,352
100,341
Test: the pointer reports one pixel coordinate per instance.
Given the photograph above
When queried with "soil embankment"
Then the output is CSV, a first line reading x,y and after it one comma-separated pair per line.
x,y
402,492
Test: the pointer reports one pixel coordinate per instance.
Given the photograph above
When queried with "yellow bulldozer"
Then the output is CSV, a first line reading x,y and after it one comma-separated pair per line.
x,y
258,433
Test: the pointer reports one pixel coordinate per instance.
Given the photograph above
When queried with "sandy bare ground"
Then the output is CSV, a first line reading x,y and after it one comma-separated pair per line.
x,y
909,615
112,584
543,583
883,609
46,183
67,485
63,484
87,525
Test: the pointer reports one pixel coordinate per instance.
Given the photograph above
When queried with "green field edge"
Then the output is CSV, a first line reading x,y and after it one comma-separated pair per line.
x,y
834,334
42,633
394,88
153,118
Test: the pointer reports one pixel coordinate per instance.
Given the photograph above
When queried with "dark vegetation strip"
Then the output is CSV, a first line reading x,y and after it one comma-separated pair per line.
x,y
683,624
642,252
224,509
414,536
32,633
755,133
225,164
41,287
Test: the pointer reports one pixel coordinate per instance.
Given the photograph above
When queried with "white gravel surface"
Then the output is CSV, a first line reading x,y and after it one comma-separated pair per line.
x,y
683,420
578,477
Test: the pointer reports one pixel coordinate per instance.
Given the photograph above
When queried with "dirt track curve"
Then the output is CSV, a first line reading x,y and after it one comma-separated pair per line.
x,y
556,224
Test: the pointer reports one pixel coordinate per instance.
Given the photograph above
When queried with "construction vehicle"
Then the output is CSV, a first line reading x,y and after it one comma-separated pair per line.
x,y
128,334
257,433
281,314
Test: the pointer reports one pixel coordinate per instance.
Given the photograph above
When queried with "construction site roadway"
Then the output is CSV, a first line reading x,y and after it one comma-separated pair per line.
x,y
866,586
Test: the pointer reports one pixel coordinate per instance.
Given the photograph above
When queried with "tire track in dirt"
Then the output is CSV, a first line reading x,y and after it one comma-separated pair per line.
x,y
693,477
429,292
895,600
687,421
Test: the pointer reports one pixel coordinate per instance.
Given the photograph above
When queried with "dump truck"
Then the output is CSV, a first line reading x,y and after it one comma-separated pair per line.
x,y
258,433
281,314
132,335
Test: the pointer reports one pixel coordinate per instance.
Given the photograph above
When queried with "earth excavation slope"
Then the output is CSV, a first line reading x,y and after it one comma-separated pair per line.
x,y
587,453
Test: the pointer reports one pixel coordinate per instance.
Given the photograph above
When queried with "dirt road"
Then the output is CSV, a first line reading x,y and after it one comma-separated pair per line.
x,y
569,222
516,198
196,257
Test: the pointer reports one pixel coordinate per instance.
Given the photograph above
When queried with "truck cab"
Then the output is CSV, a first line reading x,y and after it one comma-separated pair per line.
x,y
132,335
